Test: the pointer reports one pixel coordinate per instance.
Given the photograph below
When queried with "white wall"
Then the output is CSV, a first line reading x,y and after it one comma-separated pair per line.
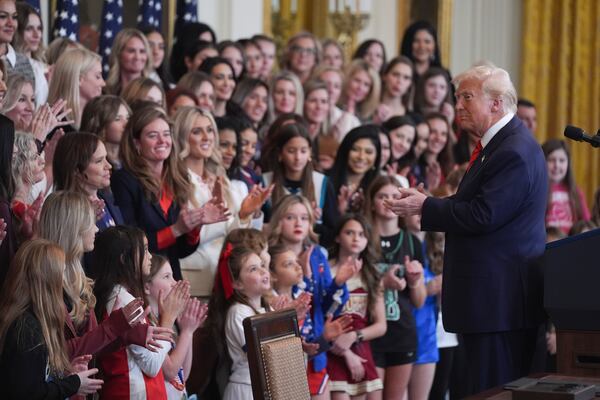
x,y
382,26
486,30
232,19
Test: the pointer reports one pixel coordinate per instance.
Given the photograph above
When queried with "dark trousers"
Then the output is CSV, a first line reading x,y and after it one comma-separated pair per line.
x,y
443,369
496,358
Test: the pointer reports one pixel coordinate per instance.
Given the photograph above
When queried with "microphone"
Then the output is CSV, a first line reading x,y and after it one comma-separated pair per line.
x,y
578,134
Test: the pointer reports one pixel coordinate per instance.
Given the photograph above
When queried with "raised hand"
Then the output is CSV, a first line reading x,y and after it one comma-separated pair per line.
x,y
192,316
214,211
217,190
48,117
304,261
392,281
80,363
316,210
255,200
2,230
347,269
98,205
302,304
280,302
171,306
344,196
187,220
410,203
414,271
333,329
31,217
88,385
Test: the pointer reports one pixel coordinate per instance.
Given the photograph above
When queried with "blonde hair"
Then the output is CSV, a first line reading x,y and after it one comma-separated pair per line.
x,y
113,81
285,60
184,120
24,158
35,281
290,77
65,78
174,173
365,108
138,89
65,217
281,208
495,84
14,88
59,46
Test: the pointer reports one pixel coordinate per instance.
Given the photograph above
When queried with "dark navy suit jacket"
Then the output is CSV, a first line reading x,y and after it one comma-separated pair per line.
x,y
495,233
147,215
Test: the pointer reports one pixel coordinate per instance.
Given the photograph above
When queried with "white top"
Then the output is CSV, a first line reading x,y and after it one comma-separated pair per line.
x,y
343,121
200,267
41,84
236,341
491,132
444,338
140,360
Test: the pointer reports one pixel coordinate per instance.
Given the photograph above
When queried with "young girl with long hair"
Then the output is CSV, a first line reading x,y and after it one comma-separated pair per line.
x,y
34,359
402,133
566,202
433,93
356,165
397,91
289,164
350,365
437,161
158,282
401,265
240,286
291,225
119,261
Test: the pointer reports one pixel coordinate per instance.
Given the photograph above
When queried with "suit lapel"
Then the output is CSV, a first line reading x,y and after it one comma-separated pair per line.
x,y
488,150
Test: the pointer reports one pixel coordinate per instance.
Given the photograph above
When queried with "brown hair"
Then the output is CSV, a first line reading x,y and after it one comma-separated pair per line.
x,y
99,112
72,156
138,89
174,174
247,237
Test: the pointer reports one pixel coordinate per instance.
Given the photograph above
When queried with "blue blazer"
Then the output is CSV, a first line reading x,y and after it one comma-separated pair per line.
x,y
147,215
495,233
113,209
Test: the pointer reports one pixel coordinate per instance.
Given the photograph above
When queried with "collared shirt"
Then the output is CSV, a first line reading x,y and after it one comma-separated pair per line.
x,y
491,132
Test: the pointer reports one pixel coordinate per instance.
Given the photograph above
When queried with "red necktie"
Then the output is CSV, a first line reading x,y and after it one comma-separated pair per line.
x,y
475,153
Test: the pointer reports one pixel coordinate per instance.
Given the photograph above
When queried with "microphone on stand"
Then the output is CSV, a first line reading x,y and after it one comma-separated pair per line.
x,y
578,134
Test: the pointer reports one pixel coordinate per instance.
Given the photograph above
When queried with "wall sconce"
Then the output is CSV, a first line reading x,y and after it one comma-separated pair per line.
x,y
348,17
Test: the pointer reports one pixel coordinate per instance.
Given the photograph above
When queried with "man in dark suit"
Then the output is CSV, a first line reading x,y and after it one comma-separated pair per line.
x,y
495,232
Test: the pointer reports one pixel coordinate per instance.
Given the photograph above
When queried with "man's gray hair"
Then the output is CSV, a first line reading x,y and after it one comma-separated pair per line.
x,y
495,83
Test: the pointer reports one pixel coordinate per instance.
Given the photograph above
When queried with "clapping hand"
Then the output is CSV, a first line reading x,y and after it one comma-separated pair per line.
x,y
391,279
333,329
31,217
46,118
193,316
171,306
347,269
410,203
255,200
414,271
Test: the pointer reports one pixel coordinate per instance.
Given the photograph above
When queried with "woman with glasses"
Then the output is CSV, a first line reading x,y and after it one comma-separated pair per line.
x,y
302,55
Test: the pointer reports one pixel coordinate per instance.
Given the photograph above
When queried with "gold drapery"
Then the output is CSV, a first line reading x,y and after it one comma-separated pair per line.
x,y
560,73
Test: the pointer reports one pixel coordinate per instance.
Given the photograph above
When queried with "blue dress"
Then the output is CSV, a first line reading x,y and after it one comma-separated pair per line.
x,y
427,351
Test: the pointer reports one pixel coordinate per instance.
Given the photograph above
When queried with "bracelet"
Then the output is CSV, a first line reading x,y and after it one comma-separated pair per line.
x,y
359,336
415,285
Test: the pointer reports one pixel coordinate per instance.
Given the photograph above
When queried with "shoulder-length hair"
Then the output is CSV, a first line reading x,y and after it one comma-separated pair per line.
x,y
99,112
551,146
363,48
14,88
117,259
446,156
65,78
339,173
24,10
24,159
407,98
243,89
332,42
35,282
138,89
374,187
72,156
281,208
290,77
421,105
286,133
365,108
287,53
369,256
409,38
113,81
192,81
174,173
65,218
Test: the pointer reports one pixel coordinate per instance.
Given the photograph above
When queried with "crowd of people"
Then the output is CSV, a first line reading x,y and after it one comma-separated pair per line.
x,y
144,215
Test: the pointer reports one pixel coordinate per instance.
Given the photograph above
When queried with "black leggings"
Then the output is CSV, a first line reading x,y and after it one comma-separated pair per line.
x,y
441,379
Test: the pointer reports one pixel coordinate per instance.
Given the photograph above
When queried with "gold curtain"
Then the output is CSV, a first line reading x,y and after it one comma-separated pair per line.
x,y
560,73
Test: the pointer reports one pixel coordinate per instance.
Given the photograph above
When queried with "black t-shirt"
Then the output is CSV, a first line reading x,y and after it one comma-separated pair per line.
x,y
401,334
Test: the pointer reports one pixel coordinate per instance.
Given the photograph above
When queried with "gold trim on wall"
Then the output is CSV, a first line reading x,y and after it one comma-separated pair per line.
x,y
444,29
403,10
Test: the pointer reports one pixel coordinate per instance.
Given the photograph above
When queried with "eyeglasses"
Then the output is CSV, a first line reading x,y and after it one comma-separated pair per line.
x,y
309,51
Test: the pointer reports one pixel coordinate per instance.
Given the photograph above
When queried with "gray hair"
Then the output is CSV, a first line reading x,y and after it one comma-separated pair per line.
x,y
495,83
